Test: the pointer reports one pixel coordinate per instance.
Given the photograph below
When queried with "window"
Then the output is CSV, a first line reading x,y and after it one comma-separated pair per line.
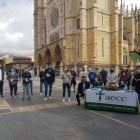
x,y
124,56
78,23
102,47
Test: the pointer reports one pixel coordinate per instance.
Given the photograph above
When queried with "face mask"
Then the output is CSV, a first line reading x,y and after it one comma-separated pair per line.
x,y
83,81
71,69
65,69
138,71
111,71
43,69
14,67
12,70
132,73
26,70
50,67
29,69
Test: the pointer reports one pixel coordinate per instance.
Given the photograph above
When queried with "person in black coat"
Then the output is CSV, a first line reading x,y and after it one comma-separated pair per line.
x,y
82,87
2,76
137,81
50,80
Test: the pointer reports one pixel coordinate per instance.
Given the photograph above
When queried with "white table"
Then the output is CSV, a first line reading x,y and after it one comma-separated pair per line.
x,y
112,100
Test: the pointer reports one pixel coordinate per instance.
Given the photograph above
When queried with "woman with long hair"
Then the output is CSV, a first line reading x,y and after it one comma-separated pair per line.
x,y
66,77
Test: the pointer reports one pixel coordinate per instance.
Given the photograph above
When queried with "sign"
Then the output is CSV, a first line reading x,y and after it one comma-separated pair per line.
x,y
112,100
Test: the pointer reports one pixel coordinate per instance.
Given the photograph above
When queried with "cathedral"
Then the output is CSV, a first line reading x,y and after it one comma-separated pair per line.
x,y
89,33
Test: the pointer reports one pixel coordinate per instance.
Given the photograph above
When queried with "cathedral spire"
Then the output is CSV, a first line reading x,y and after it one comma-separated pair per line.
x,y
132,12
127,11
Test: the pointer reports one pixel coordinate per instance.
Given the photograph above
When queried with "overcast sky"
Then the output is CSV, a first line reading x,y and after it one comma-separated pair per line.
x,y
16,26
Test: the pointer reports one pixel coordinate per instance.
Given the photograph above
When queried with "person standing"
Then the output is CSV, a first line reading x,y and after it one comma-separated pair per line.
x,y
2,76
50,81
82,87
26,77
83,73
16,71
98,81
91,76
103,74
66,77
42,80
73,81
12,78
112,78
137,81
31,81
123,79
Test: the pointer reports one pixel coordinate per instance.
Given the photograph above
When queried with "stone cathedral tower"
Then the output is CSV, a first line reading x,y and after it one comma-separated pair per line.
x,y
93,33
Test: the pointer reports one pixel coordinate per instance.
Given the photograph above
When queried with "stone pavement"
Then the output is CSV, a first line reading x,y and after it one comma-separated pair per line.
x,y
54,120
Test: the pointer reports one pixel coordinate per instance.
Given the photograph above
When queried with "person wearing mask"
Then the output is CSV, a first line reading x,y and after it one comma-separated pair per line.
x,y
16,71
42,80
91,76
130,79
83,73
31,81
66,77
82,87
123,79
12,78
50,80
26,77
2,76
137,81
112,78
120,73
98,81
73,81
103,74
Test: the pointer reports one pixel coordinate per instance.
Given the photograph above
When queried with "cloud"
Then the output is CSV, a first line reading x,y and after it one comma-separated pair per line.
x,y
16,27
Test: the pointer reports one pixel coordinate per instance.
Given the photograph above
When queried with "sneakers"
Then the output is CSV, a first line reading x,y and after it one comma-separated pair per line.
x,y
40,93
29,98
45,99
63,100
2,96
15,96
69,100
50,98
22,98
10,97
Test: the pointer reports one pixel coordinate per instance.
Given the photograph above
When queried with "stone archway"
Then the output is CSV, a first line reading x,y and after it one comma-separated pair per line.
x,y
47,57
57,59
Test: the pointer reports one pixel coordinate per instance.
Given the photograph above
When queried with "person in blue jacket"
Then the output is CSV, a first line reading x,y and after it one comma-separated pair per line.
x,y
91,76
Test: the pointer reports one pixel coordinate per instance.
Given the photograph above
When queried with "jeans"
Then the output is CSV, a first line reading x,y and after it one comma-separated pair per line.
x,y
1,87
16,88
11,89
50,89
31,85
41,85
64,89
26,87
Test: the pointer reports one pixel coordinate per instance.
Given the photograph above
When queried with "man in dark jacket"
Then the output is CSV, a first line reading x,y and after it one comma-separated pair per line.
x,y
2,76
103,74
50,80
82,87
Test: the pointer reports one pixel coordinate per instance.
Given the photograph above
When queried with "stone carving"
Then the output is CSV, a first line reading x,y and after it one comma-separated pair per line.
x,y
54,18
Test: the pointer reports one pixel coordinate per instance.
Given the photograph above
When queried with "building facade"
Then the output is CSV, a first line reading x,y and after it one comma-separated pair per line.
x,y
20,62
90,33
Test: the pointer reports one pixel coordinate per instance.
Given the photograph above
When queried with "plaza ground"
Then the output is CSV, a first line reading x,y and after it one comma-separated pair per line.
x,y
54,120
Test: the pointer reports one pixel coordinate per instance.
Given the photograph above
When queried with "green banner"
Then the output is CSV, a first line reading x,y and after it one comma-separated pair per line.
x,y
111,107
135,57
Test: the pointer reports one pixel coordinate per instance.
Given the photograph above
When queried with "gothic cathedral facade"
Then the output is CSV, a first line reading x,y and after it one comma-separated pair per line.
x,y
93,33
